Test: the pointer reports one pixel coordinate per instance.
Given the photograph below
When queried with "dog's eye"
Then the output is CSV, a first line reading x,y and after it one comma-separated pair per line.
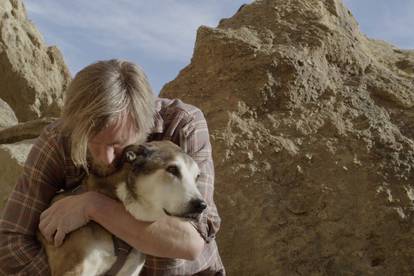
x,y
130,156
197,177
173,170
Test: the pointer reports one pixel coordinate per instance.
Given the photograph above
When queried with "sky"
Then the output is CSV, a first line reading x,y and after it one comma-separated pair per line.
x,y
159,35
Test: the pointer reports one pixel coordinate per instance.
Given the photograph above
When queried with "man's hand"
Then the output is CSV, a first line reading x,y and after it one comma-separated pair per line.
x,y
66,215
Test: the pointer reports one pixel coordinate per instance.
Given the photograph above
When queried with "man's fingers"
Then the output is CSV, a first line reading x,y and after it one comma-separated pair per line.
x,y
45,213
63,217
60,235
48,231
51,210
44,221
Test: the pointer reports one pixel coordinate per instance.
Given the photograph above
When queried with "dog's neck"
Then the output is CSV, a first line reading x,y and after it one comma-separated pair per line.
x,y
135,207
104,185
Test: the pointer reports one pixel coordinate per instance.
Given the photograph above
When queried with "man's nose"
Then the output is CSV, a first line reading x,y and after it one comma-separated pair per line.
x,y
107,156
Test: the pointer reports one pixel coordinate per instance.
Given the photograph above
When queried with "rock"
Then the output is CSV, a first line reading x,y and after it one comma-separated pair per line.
x,y
12,158
32,75
15,144
7,116
23,131
312,130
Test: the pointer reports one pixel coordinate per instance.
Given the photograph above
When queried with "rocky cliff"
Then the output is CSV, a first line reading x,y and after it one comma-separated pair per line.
x,y
312,130
33,76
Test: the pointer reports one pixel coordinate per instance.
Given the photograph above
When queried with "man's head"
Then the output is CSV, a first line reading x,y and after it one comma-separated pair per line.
x,y
108,105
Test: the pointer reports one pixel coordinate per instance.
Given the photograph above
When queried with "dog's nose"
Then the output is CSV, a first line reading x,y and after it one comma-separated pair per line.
x,y
198,205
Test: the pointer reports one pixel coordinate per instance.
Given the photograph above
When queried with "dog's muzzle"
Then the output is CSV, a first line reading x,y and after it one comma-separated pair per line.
x,y
196,207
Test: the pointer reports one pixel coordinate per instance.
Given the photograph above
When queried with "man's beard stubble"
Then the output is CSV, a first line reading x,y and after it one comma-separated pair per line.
x,y
102,170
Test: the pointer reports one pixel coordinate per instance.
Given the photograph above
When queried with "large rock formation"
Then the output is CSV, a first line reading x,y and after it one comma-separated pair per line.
x,y
15,144
24,131
12,157
33,78
312,128
32,75
7,116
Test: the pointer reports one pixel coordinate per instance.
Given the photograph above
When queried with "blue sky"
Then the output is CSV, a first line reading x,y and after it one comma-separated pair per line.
x,y
389,20
159,35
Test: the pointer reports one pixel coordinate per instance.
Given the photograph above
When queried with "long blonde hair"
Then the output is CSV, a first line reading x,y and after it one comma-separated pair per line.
x,y
102,93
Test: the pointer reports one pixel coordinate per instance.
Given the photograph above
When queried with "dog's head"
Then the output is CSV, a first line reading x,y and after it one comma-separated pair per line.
x,y
160,180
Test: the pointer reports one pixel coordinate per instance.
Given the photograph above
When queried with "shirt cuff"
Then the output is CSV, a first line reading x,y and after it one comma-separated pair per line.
x,y
203,225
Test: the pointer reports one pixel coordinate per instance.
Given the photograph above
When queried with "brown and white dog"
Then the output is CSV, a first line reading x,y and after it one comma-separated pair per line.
x,y
155,179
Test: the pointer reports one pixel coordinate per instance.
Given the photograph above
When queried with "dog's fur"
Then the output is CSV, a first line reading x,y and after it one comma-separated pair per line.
x,y
155,179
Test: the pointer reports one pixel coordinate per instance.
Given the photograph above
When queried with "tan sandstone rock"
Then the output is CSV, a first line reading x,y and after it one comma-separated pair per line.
x,y
15,144
7,116
23,131
32,75
12,158
312,129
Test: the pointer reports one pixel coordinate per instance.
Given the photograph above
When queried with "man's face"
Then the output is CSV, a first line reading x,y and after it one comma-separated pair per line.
x,y
105,148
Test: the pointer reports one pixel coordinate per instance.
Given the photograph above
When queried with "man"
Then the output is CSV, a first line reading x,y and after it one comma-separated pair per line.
x,y
109,105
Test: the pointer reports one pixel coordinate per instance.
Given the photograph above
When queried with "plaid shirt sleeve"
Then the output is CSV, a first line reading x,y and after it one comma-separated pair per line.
x,y
194,140
20,253
196,143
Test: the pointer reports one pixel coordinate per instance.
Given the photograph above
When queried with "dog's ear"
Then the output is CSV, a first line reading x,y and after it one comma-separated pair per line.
x,y
134,153
144,151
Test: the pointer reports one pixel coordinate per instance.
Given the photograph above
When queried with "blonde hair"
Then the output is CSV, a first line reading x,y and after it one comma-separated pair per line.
x,y
100,94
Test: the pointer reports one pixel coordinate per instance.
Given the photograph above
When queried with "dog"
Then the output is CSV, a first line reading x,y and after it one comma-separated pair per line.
x,y
155,179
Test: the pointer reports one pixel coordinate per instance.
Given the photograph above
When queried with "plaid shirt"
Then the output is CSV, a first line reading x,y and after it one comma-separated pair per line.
x,y
49,168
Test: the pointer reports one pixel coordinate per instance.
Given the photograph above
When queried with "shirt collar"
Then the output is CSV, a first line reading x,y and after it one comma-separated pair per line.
x,y
158,123
158,120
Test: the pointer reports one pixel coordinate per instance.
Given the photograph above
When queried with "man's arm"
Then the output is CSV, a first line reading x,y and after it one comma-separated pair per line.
x,y
169,237
20,253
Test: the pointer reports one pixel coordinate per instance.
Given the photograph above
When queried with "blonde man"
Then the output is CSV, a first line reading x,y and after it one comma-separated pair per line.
x,y
108,105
